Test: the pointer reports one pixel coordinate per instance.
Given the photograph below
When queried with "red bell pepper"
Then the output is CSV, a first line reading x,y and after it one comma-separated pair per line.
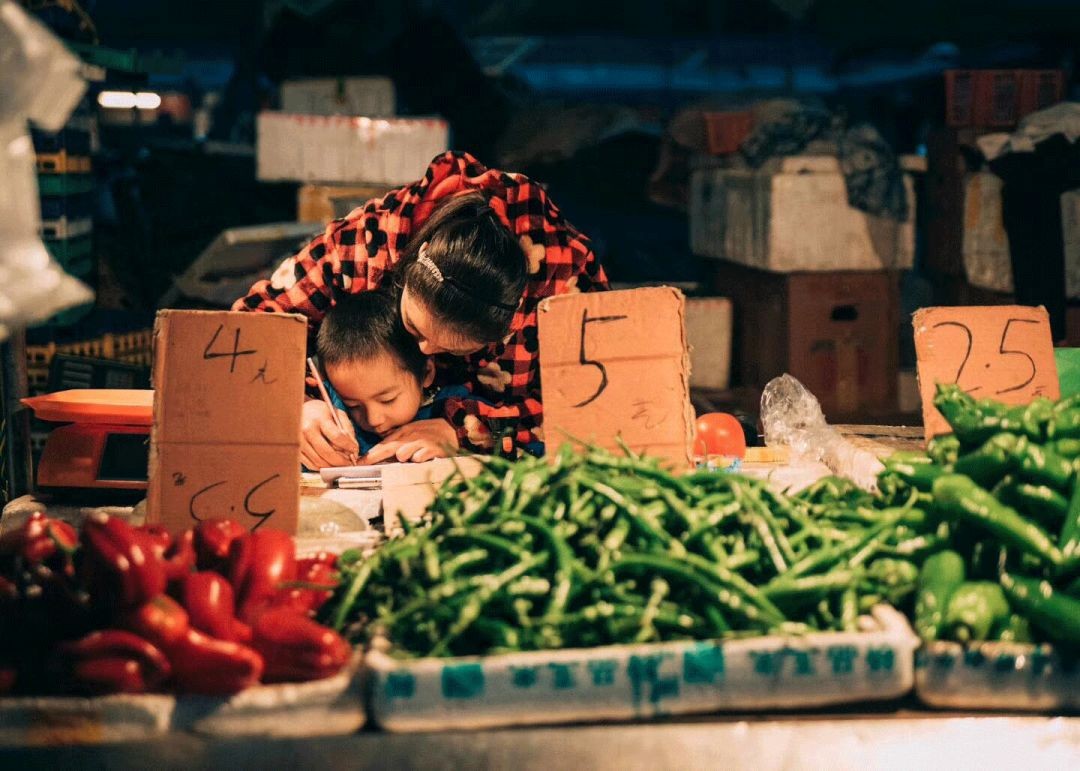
x,y
113,661
204,665
8,676
295,648
119,566
178,554
260,563
211,606
316,580
161,620
213,542
39,538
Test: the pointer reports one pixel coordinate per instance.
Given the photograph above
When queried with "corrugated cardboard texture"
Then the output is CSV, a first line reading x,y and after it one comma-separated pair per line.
x,y
1001,352
226,433
616,363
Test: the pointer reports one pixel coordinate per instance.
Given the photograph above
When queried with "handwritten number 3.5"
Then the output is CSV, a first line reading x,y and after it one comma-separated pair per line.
x,y
262,516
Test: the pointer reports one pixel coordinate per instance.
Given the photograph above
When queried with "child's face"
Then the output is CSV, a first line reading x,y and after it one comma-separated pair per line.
x,y
380,393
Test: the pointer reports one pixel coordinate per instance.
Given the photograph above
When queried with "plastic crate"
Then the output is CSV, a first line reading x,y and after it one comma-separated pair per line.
x,y
65,184
70,206
131,347
66,228
999,98
74,138
71,251
62,163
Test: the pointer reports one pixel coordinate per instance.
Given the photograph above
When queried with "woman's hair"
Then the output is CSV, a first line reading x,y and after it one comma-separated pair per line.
x,y
361,326
472,272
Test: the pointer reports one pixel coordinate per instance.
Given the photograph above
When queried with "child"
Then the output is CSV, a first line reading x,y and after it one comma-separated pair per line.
x,y
374,369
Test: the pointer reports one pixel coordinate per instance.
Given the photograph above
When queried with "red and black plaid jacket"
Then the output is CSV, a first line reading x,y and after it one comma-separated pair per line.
x,y
356,253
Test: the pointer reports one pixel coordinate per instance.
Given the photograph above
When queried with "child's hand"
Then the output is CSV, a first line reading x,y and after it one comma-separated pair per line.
x,y
322,443
418,441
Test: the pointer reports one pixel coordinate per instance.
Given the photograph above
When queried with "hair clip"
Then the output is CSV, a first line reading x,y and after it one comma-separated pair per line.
x,y
432,268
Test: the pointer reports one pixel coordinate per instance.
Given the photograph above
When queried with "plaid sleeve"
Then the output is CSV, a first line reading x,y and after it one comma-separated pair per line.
x,y
309,281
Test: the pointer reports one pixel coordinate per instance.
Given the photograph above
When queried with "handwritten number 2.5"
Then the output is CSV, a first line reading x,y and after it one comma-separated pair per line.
x,y
585,361
1002,350
234,353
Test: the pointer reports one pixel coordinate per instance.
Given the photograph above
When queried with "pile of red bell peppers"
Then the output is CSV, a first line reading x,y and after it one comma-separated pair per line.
x,y
123,609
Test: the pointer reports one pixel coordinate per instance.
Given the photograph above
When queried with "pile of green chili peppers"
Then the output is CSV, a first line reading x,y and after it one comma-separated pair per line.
x,y
1004,490
599,548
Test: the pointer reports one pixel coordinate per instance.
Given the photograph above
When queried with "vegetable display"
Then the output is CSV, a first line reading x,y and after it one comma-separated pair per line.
x,y
595,549
123,609
1004,488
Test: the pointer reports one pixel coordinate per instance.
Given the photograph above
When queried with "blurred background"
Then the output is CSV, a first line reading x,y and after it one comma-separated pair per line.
x,y
809,171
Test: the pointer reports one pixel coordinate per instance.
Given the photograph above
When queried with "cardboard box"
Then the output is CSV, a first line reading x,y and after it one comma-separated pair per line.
x,y
708,333
615,364
337,149
226,434
321,203
371,97
838,333
796,219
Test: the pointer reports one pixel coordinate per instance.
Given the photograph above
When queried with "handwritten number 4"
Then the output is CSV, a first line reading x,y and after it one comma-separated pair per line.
x,y
233,354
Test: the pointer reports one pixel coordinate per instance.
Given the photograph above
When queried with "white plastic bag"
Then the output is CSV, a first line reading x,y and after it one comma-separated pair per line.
x,y
39,81
792,416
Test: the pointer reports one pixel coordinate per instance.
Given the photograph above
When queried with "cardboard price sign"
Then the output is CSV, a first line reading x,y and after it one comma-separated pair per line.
x,y
616,364
228,389
1005,353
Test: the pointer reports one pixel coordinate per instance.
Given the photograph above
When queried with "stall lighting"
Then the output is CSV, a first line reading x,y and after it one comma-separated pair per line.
x,y
126,100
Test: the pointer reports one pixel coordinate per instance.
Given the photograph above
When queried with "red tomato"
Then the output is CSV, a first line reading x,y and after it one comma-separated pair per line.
x,y
720,434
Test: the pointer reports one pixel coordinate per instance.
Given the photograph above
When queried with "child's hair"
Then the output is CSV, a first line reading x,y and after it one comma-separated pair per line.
x,y
361,326
473,272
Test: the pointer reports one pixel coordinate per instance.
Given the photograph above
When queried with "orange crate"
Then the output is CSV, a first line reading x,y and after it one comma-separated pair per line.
x,y
725,131
999,98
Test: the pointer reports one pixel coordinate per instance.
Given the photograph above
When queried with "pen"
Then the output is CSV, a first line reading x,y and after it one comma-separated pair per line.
x,y
326,398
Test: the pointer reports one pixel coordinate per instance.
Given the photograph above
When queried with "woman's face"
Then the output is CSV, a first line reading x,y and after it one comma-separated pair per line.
x,y
432,337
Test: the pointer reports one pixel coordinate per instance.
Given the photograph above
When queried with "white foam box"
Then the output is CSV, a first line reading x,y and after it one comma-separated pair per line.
x,y
644,681
984,242
48,721
328,707
342,149
708,333
372,97
794,218
996,676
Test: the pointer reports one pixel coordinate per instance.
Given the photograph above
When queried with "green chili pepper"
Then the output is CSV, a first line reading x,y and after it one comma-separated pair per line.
x,y
1040,502
958,497
921,476
939,577
973,422
1066,448
1065,425
1069,540
988,464
943,449
1014,629
1056,614
1035,418
896,577
975,608
1042,466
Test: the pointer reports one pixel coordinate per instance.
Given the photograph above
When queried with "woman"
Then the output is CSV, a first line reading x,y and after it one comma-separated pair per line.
x,y
471,251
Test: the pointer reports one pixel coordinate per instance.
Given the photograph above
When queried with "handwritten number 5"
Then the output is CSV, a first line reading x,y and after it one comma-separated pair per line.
x,y
587,362
1004,352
